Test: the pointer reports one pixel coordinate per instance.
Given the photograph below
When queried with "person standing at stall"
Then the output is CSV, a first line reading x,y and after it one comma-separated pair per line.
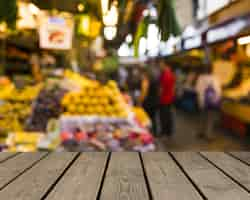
x,y
167,96
36,67
150,95
209,91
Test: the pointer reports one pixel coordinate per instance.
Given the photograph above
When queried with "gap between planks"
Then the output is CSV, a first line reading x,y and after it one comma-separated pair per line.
x,y
7,156
224,171
239,158
30,166
212,182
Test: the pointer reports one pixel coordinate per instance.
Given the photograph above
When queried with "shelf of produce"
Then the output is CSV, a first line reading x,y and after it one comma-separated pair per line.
x,y
236,117
98,117
238,110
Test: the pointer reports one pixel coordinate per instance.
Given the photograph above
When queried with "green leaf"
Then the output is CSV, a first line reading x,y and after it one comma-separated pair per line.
x,y
110,64
8,12
167,20
141,32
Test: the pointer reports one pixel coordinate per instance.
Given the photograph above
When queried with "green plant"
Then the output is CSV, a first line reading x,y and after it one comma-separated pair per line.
x,y
141,32
110,64
167,20
8,12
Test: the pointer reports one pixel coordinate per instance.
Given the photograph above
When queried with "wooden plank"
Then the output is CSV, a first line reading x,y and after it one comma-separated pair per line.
x,y
212,182
10,169
6,155
166,179
234,168
36,182
244,156
83,180
124,179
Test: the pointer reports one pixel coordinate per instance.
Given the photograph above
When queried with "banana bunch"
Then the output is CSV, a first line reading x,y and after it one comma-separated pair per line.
x,y
13,115
10,124
19,110
29,93
6,91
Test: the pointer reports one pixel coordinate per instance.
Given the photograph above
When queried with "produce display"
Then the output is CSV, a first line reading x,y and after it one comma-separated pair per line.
x,y
225,71
96,100
77,81
46,106
239,92
13,115
23,141
29,93
239,111
15,108
71,113
6,88
104,134
141,116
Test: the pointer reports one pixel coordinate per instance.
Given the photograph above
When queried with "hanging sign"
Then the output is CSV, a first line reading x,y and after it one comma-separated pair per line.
x,y
228,29
193,42
56,33
178,45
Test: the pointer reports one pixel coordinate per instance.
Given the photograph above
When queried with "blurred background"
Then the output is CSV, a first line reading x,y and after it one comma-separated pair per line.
x,y
124,75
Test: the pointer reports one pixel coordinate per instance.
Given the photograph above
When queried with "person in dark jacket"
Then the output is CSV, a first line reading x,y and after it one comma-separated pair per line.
x,y
150,94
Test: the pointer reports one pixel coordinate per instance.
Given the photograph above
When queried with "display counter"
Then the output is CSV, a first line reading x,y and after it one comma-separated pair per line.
x,y
236,117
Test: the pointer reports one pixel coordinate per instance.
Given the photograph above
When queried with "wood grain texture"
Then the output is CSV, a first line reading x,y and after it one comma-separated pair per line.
x,y
124,179
166,179
5,155
244,156
33,184
82,180
213,183
13,167
237,170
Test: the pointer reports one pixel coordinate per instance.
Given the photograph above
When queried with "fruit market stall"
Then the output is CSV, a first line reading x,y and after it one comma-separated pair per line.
x,y
72,113
231,65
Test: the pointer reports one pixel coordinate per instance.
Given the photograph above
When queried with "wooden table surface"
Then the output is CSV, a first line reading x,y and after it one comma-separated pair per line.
x,y
125,176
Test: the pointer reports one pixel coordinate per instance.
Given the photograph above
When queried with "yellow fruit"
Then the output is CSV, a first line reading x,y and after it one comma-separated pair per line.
x,y
81,109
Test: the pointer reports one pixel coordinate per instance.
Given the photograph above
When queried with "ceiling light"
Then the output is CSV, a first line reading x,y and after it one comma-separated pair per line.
x,y
145,12
80,7
105,6
110,32
129,38
111,17
244,40
34,9
3,27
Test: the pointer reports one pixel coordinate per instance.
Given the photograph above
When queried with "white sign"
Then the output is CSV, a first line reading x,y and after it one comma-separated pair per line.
x,y
56,33
226,31
193,42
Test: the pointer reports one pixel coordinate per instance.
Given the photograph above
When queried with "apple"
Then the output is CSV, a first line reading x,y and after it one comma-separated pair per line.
x,y
80,136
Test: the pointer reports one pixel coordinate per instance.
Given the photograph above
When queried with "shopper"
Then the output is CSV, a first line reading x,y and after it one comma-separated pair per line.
x,y
36,67
208,89
188,100
150,94
134,83
47,60
167,96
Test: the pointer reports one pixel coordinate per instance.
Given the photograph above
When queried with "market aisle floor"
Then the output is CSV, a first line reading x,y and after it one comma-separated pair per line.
x,y
185,138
